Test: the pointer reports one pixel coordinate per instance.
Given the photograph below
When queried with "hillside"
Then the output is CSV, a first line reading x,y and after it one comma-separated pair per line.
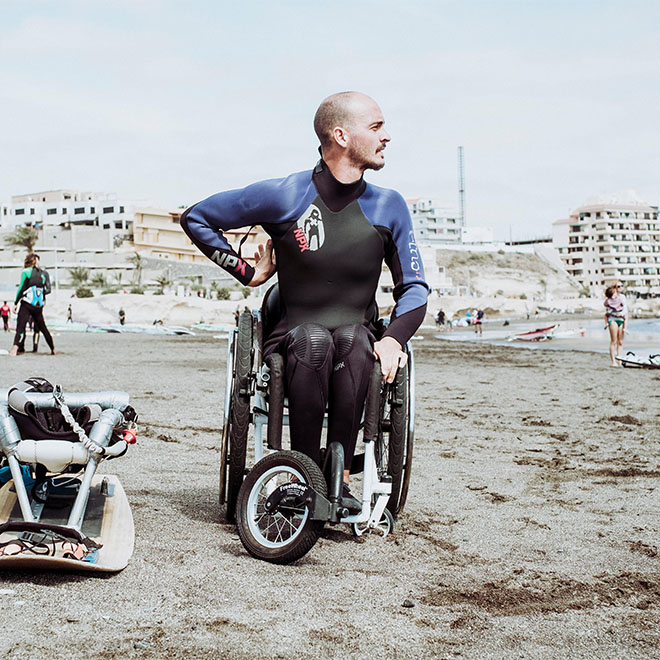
x,y
489,274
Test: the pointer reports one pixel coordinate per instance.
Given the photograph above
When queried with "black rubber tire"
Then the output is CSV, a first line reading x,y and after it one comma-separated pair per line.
x,y
239,413
392,452
279,466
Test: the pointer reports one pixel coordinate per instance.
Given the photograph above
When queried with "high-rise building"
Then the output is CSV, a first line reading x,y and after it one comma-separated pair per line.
x,y
605,241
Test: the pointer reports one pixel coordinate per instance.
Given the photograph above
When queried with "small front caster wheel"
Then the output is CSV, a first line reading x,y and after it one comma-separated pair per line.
x,y
383,527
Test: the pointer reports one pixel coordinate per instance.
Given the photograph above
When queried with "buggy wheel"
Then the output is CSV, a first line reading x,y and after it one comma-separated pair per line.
x,y
285,535
239,413
393,451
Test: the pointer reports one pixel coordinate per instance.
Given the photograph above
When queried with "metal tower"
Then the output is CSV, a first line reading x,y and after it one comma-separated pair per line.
x,y
461,187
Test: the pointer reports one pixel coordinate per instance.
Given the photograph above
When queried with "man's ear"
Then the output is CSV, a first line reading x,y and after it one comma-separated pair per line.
x,y
340,136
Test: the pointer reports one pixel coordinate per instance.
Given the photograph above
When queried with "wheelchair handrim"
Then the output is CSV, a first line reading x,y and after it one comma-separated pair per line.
x,y
264,526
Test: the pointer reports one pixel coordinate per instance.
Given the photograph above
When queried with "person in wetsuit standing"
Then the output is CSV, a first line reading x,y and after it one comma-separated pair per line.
x,y
330,232
31,295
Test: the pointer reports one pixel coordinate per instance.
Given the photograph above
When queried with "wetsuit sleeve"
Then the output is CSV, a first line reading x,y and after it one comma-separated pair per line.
x,y
24,285
205,222
404,261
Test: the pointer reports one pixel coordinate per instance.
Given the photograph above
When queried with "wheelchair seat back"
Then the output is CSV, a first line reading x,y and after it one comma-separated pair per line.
x,y
271,310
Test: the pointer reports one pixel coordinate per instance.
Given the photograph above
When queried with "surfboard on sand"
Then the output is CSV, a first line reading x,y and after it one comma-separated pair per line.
x,y
630,359
104,543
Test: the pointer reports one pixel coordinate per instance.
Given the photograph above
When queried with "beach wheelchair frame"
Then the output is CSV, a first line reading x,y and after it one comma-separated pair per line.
x,y
281,504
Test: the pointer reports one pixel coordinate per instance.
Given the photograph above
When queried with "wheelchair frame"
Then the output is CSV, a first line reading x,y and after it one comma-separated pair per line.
x,y
242,384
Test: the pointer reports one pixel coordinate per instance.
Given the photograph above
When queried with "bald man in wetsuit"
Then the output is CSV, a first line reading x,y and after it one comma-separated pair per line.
x,y
330,232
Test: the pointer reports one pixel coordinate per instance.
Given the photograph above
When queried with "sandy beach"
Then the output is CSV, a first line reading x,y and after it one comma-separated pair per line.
x,y
531,529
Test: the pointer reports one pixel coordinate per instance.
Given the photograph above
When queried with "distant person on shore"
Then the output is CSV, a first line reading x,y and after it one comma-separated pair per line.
x,y
440,318
31,296
122,316
69,315
478,321
5,311
616,318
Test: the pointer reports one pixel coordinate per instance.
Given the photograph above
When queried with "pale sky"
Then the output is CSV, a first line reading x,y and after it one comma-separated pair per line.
x,y
553,102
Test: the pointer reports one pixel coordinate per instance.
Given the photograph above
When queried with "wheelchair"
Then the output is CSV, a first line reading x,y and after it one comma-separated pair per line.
x,y
282,503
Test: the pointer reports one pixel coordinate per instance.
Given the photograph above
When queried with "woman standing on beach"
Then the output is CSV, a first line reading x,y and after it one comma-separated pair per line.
x,y
31,295
616,317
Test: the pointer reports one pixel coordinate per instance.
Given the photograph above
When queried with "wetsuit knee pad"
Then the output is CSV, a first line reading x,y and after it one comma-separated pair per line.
x,y
346,337
311,343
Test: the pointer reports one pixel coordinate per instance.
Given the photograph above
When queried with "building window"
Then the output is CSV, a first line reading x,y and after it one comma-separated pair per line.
x,y
108,209
121,209
51,211
63,211
78,210
31,211
19,211
92,209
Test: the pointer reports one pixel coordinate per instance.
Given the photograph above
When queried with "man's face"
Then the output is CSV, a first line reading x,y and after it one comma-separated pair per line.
x,y
367,136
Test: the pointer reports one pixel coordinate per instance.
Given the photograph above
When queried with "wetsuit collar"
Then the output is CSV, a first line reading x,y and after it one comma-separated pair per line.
x,y
335,194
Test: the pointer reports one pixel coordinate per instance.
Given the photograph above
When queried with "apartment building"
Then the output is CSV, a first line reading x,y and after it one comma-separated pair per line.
x,y
434,223
157,233
66,207
602,242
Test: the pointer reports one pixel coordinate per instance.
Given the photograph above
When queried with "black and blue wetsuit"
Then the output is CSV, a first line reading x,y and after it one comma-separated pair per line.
x,y
330,241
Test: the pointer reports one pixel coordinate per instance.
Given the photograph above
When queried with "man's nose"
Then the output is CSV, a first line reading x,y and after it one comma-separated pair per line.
x,y
385,136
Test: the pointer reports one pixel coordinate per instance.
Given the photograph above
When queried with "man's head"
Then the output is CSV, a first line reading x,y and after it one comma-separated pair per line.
x,y
350,126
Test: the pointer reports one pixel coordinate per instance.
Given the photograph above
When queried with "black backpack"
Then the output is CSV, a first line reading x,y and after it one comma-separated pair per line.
x,y
36,424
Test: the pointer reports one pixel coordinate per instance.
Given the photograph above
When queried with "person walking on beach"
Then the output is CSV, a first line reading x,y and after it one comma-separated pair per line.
x,y
330,232
478,322
616,318
122,316
31,296
69,315
5,311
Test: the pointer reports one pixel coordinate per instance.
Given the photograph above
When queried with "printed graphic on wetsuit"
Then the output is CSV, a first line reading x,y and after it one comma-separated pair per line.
x,y
309,231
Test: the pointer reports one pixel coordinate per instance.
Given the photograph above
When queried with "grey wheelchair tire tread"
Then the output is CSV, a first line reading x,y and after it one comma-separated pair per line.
x,y
306,540
239,414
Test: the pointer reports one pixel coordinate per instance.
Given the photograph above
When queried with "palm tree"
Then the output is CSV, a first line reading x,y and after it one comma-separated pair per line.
x,y
79,275
99,280
23,235
162,283
136,260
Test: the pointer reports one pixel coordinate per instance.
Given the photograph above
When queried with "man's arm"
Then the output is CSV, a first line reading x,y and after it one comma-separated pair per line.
x,y
263,203
25,279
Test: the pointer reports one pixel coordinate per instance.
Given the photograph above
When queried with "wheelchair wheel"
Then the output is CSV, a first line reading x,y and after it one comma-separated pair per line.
x,y
286,535
239,413
394,444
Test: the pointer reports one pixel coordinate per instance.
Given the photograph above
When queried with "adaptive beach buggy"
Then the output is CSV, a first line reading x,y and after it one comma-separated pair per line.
x,y
281,504
50,517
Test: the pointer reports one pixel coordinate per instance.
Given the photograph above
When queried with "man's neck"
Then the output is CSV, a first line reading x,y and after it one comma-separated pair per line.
x,y
342,170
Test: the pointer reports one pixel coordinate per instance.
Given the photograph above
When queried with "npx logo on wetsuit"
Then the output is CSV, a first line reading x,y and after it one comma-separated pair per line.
x,y
229,261
309,231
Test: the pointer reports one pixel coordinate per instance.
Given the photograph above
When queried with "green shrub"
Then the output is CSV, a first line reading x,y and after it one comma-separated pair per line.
x,y
137,289
112,289
84,292
523,296
224,294
246,292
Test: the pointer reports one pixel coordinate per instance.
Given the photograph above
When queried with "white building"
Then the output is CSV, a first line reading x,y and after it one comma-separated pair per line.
x,y
65,207
606,241
434,223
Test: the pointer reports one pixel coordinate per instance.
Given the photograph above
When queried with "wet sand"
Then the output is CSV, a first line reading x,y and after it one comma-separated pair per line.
x,y
531,529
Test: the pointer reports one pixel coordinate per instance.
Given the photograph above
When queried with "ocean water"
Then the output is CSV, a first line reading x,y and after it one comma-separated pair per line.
x,y
642,335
